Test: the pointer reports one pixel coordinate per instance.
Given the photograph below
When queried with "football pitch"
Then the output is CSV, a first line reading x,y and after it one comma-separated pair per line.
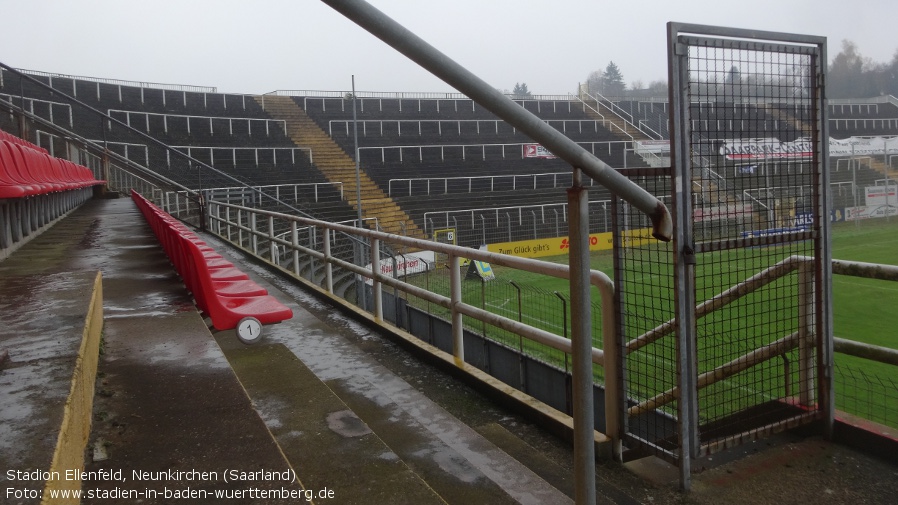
x,y
864,310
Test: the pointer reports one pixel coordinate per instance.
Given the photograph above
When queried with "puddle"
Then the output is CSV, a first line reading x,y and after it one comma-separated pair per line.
x,y
346,424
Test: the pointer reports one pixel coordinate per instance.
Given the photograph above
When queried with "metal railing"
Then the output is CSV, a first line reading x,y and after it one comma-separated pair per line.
x,y
31,101
605,146
255,150
278,191
854,124
229,221
625,116
458,122
531,181
120,82
249,120
412,95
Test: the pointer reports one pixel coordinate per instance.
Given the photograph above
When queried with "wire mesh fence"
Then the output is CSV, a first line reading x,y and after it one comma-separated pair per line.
x,y
645,303
739,93
870,393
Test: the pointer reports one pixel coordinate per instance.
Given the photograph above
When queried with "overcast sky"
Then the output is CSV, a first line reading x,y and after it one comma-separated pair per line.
x,y
263,45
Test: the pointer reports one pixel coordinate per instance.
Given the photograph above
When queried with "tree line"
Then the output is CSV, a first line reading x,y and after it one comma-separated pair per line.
x,y
850,75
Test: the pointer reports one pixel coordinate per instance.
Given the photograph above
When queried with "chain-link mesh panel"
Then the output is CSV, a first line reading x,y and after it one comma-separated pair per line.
x,y
753,137
644,286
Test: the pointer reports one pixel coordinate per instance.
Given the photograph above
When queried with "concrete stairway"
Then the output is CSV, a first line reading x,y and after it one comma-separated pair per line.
x,y
882,168
339,167
621,128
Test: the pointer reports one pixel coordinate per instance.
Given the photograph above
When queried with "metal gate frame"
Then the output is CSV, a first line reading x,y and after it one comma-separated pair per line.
x,y
805,276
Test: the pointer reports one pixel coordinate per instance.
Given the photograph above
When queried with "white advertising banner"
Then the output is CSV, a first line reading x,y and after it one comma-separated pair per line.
x,y
771,148
759,149
857,213
881,195
405,264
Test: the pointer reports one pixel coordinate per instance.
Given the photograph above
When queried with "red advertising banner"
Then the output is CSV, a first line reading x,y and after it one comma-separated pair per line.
x,y
537,151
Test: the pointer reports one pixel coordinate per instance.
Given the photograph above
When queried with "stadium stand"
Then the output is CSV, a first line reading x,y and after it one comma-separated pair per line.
x,y
416,142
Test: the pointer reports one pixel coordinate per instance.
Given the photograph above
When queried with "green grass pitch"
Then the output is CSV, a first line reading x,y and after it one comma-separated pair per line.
x,y
863,309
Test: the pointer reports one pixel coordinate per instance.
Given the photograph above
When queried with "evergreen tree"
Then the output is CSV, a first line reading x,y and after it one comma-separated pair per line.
x,y
520,91
613,81
849,74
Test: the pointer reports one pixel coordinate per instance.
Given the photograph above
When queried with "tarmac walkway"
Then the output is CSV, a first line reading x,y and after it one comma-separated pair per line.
x,y
322,408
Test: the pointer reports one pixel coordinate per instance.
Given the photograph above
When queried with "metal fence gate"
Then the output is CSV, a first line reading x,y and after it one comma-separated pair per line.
x,y
725,333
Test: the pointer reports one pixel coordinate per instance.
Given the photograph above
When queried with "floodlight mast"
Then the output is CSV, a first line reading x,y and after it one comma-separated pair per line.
x,y
440,65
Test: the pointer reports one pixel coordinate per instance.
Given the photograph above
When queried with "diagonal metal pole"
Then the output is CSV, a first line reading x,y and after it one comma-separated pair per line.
x,y
440,65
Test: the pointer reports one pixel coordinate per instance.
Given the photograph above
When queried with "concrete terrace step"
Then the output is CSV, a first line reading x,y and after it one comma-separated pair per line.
x,y
452,458
325,442
384,443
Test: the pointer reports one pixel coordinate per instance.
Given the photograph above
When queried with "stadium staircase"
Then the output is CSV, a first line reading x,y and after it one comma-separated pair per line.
x,y
339,167
882,168
781,115
624,130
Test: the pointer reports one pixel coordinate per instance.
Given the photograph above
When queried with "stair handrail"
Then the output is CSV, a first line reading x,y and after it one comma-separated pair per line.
x,y
620,112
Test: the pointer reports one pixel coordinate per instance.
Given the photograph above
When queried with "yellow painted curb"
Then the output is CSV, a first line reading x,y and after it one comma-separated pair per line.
x,y
68,458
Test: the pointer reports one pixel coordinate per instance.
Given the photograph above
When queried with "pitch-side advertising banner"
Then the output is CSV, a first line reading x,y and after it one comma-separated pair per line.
x,y
881,195
561,245
405,264
771,148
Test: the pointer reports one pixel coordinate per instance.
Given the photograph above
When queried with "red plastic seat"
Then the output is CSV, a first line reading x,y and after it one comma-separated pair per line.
x,y
12,172
9,186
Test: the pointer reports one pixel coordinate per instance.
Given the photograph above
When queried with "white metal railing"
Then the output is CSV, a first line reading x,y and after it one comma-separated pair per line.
x,y
120,82
249,120
126,148
413,95
514,147
223,218
31,101
855,124
853,162
458,122
769,193
255,150
608,121
625,116
277,190
877,99
438,182
370,94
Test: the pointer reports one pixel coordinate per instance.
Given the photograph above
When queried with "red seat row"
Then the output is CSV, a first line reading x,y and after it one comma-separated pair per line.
x,y
9,137
25,171
221,290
